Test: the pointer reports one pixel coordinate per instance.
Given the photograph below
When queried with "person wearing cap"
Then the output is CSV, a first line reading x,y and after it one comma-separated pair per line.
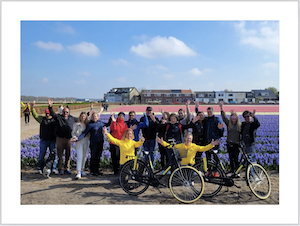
x,y
47,134
149,133
117,129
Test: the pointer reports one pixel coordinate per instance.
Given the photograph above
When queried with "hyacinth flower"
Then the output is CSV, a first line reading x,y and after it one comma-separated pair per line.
x,y
266,144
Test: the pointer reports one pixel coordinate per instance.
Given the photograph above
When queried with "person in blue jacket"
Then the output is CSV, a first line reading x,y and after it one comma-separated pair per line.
x,y
95,128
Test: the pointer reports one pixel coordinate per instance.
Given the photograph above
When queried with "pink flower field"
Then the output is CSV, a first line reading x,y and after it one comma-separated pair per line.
x,y
174,108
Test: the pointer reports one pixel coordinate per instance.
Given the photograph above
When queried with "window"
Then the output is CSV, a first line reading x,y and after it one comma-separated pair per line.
x,y
157,94
167,95
230,94
177,95
147,94
200,95
187,95
249,100
220,94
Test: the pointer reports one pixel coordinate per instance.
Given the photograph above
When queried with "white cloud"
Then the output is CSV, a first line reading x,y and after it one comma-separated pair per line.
x,y
84,73
121,79
195,71
265,36
85,48
45,80
163,47
120,61
160,67
64,28
49,45
80,82
208,70
168,76
270,65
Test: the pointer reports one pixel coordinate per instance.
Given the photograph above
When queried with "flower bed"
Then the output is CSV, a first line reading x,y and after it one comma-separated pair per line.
x,y
267,146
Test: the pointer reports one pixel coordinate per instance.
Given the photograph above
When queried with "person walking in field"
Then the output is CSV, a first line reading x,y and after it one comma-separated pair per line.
x,y
47,134
64,125
27,113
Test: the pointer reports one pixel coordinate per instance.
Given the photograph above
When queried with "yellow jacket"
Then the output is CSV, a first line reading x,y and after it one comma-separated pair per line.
x,y
126,147
192,150
25,107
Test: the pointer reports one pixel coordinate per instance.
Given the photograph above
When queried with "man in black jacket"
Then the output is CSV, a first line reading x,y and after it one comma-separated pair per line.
x,y
149,133
64,127
248,131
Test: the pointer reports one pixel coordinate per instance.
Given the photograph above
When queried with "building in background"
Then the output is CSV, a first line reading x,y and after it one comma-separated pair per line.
x,y
171,96
126,95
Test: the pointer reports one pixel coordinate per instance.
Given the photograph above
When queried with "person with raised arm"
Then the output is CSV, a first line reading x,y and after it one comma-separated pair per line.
x,y
95,128
248,132
64,125
184,118
117,129
233,137
161,133
127,145
47,134
190,147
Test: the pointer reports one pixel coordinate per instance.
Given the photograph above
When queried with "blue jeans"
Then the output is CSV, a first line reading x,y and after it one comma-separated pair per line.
x,y
149,145
250,150
44,144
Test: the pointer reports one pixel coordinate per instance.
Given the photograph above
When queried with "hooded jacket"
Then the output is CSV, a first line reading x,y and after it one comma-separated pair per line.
x,y
118,128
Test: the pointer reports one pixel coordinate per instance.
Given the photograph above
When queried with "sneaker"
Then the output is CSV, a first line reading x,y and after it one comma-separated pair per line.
x,y
83,173
78,176
60,172
67,172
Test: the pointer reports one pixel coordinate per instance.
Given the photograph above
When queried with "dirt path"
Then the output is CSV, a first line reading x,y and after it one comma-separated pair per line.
x,y
105,189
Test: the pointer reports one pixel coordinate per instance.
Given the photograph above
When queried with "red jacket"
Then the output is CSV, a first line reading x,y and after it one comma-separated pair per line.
x,y
118,128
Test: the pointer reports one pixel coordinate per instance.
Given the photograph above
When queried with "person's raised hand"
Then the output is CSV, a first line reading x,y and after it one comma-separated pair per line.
x,y
220,125
142,138
214,142
50,102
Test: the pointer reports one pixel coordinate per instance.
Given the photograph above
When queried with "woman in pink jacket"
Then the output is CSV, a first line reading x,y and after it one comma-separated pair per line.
x,y
117,129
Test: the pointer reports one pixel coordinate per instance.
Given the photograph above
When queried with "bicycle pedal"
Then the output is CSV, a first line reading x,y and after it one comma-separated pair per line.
x,y
158,189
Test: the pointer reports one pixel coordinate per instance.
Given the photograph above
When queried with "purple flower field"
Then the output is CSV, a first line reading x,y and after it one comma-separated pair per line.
x,y
267,145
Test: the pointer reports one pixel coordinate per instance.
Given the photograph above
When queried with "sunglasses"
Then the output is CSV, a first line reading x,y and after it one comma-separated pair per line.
x,y
233,116
131,115
247,116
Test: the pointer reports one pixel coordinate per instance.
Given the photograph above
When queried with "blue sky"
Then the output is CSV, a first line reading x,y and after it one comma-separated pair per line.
x,y
85,59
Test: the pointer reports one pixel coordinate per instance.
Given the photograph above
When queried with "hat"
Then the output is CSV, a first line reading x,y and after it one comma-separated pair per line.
x,y
47,111
121,113
149,109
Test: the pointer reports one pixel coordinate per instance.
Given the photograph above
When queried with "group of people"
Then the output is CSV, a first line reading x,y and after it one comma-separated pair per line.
x,y
193,132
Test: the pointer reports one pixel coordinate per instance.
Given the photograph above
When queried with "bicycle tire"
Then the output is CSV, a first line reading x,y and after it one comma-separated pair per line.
x,y
186,184
258,181
211,189
126,177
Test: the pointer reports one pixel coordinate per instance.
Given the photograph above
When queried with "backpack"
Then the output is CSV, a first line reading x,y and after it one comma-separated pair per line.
x,y
180,127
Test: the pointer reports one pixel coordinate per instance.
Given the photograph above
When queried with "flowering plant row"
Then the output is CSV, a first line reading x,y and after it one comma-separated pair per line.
x,y
267,146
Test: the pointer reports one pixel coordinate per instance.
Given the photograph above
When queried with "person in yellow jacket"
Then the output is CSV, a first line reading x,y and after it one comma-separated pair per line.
x,y
127,144
190,147
27,112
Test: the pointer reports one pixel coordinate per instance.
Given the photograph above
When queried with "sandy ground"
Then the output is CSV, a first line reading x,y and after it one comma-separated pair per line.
x,y
105,189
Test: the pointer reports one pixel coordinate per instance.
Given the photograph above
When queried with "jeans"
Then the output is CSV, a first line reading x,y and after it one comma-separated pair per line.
x,y
44,144
96,151
149,145
250,150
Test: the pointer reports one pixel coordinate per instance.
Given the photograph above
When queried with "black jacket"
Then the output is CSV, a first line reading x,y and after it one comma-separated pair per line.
x,y
253,126
149,132
64,126
48,129
198,130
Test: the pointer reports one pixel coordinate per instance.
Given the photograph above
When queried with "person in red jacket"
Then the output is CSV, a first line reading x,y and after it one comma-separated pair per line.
x,y
117,129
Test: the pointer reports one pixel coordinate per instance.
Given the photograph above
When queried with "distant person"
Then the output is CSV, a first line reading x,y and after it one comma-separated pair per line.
x,y
117,129
64,125
26,112
184,118
82,145
47,135
248,131
60,109
161,133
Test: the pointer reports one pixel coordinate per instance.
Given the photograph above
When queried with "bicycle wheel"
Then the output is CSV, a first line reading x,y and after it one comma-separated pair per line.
x,y
211,189
186,184
128,177
258,181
